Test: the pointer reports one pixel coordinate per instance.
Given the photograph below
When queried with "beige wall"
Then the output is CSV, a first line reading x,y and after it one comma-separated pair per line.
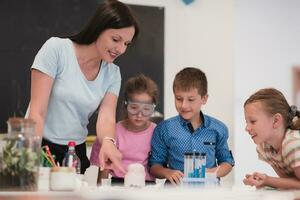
x,y
242,45
200,35
267,46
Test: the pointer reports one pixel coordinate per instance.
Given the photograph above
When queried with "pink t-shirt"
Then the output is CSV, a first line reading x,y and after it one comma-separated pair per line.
x,y
134,146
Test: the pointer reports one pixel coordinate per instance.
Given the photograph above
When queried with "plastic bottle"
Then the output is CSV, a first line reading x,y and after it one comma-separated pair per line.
x,y
71,159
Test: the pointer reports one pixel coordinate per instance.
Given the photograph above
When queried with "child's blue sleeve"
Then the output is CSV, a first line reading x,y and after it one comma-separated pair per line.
x,y
223,154
158,146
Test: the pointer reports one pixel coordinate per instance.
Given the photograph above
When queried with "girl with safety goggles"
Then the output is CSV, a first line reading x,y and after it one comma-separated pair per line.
x,y
136,107
134,132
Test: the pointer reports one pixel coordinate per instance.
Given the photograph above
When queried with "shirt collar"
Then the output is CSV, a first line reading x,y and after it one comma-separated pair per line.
x,y
184,122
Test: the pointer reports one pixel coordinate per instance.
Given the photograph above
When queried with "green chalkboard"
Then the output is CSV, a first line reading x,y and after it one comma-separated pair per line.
x,y
27,24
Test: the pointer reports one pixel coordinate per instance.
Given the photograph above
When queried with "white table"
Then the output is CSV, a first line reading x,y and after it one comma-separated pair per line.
x,y
151,193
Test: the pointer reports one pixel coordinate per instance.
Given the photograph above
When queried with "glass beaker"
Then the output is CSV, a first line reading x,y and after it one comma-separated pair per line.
x,y
20,156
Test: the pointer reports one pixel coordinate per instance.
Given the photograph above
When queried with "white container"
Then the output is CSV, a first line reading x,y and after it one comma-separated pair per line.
x,y
62,179
135,176
44,178
106,182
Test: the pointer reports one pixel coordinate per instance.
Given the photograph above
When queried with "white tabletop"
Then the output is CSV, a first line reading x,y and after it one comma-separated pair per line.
x,y
155,193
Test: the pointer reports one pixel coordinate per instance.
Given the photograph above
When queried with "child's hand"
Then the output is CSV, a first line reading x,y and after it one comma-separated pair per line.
x,y
256,179
261,180
249,180
174,176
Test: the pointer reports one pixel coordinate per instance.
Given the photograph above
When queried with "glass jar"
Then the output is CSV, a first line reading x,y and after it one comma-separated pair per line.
x,y
19,156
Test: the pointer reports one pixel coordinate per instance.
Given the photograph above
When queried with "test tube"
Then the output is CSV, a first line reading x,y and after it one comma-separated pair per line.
x,y
185,165
203,165
188,164
197,164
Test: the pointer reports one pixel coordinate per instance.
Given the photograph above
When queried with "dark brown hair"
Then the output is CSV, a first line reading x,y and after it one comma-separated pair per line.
x,y
141,84
136,85
273,102
111,14
190,78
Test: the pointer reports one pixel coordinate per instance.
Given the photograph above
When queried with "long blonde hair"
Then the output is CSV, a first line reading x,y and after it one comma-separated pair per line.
x,y
273,101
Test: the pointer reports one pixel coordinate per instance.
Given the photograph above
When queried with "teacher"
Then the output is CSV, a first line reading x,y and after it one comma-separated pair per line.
x,y
72,77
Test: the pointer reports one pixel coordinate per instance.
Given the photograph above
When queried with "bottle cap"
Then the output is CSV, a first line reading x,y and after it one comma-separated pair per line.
x,y
72,144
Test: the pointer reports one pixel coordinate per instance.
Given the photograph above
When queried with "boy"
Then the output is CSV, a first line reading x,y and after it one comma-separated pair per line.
x,y
188,131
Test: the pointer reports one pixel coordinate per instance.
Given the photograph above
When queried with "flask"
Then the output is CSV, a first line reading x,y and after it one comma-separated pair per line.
x,y
71,159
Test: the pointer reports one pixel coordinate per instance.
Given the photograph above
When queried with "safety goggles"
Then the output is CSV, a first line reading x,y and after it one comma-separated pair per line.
x,y
134,108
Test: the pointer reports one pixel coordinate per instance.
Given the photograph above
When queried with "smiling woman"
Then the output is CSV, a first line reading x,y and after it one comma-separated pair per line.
x,y
30,25
71,76
108,46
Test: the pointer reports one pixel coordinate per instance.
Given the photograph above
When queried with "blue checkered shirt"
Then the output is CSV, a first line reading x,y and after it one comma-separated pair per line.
x,y
175,136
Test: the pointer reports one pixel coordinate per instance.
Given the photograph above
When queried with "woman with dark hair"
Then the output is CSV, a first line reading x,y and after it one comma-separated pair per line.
x,y
73,76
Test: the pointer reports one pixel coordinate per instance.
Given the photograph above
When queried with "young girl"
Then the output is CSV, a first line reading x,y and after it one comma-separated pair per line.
x,y
274,126
134,132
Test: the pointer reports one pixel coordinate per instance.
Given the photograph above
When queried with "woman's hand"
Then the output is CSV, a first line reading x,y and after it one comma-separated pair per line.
x,y
110,157
174,176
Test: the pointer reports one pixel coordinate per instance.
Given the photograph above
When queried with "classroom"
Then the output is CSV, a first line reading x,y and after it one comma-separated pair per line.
x,y
241,45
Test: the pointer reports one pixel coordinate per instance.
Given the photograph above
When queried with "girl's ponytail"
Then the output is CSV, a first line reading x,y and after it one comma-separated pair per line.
x,y
293,118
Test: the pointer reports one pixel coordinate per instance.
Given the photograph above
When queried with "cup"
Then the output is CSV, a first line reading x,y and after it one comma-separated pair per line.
x,y
160,182
44,178
211,179
62,179
105,182
79,181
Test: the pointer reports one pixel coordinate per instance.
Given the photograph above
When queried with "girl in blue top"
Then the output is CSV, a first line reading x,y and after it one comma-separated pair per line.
x,y
72,77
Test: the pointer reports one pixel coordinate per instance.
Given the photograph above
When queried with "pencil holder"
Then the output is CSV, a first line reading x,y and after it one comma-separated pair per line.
x,y
62,179
44,178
